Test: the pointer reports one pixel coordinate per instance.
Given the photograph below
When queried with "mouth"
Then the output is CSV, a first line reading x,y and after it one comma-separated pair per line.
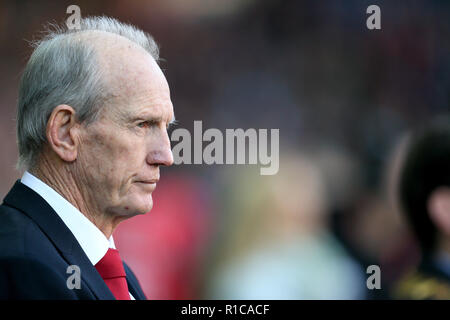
x,y
148,181
149,185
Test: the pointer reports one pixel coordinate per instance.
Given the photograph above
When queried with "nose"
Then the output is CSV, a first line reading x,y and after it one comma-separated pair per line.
x,y
160,151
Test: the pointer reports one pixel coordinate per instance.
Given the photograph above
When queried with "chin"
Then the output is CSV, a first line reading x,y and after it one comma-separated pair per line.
x,y
140,205
138,200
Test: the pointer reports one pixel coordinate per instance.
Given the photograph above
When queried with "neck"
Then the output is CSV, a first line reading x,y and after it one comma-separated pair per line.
x,y
61,179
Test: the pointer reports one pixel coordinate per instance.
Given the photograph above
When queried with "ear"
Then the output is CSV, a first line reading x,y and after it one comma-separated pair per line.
x,y
439,209
62,131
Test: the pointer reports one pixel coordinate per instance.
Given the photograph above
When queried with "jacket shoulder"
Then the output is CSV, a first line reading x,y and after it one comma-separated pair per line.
x,y
21,237
14,226
30,265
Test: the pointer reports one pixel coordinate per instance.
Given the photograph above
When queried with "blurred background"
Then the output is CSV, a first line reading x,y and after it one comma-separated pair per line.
x,y
343,98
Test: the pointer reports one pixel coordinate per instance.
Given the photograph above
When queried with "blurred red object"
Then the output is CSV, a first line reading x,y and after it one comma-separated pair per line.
x,y
165,247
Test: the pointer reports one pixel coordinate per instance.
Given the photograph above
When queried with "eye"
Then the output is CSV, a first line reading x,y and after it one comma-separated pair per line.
x,y
145,124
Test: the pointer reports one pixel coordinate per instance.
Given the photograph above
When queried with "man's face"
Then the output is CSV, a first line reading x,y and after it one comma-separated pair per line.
x,y
120,153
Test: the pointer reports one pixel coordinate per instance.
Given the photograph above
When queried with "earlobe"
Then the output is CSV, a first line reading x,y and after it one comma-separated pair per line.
x,y
439,209
61,131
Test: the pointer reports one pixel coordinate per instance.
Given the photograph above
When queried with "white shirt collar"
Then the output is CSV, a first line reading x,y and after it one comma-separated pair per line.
x,y
93,242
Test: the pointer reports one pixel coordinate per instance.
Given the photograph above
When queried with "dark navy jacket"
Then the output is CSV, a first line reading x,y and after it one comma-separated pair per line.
x,y
36,249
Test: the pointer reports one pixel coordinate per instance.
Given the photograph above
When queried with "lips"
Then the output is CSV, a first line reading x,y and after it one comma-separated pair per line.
x,y
147,185
148,181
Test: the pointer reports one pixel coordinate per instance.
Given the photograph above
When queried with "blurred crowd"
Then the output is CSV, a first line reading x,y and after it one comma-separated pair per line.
x,y
344,98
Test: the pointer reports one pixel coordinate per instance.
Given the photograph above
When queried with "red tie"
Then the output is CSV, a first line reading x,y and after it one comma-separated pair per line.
x,y
111,269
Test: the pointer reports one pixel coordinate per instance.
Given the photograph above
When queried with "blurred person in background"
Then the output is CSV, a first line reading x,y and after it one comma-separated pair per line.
x,y
92,119
280,246
424,195
372,227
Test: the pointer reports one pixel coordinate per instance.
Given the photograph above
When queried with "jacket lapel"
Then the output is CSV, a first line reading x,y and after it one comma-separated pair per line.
x,y
34,206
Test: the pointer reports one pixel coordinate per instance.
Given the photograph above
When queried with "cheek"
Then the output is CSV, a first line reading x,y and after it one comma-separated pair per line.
x,y
113,159
97,158
112,156
125,157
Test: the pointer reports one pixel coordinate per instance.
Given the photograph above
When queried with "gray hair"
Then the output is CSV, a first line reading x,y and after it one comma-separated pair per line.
x,y
63,70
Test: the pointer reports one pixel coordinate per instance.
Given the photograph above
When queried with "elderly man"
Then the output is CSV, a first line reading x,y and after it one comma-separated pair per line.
x,y
92,119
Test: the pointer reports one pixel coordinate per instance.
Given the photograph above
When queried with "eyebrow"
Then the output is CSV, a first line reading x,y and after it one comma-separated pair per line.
x,y
172,122
151,117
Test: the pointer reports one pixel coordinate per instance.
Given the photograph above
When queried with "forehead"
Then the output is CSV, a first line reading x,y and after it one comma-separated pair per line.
x,y
137,84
